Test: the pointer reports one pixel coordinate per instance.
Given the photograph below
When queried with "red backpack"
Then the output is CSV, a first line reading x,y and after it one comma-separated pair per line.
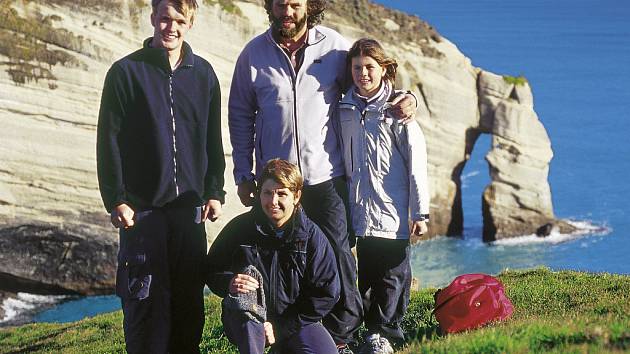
x,y
471,301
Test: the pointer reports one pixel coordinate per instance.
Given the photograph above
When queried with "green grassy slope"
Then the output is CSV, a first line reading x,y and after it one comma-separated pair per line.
x,y
563,312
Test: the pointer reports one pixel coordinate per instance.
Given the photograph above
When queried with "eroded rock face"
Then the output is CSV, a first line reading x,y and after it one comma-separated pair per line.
x,y
49,201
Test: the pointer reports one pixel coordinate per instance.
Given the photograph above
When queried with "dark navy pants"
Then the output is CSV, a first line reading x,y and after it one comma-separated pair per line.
x,y
160,283
384,283
249,337
326,205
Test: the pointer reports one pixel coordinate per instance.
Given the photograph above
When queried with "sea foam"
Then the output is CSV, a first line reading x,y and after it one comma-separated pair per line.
x,y
583,228
26,303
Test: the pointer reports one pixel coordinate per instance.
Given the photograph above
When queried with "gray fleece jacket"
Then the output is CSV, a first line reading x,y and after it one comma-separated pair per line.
x,y
275,112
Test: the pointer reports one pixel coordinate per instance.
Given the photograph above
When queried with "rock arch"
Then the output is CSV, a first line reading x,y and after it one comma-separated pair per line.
x,y
471,102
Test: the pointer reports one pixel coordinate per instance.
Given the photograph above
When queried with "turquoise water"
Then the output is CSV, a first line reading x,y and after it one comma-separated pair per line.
x,y
77,309
576,56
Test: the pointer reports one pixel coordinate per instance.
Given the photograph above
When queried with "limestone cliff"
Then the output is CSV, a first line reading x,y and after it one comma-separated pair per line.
x,y
54,55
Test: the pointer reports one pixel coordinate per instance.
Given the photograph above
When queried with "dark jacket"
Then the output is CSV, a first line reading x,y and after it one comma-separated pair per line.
x,y
159,131
298,268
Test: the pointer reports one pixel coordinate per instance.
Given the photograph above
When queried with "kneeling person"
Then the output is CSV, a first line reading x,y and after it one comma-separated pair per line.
x,y
292,259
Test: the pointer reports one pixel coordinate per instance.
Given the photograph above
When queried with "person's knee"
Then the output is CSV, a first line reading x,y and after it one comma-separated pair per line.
x,y
313,338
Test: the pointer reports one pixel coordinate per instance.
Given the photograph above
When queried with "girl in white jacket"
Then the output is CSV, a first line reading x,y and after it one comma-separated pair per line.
x,y
386,167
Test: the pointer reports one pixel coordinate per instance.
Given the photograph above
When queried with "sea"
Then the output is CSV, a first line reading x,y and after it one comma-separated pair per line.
x,y
576,56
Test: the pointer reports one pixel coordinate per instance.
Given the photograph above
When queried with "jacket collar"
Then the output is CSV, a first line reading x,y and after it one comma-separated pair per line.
x,y
354,99
264,227
159,56
315,36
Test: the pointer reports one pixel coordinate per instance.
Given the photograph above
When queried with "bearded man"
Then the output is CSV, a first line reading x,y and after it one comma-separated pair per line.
x,y
285,91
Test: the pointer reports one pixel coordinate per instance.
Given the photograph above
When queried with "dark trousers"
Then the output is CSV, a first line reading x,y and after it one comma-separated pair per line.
x,y
249,337
246,334
325,204
160,283
384,282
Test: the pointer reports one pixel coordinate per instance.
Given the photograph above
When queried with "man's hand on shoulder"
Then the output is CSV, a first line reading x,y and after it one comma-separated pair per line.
x,y
404,108
122,216
246,192
419,228
212,210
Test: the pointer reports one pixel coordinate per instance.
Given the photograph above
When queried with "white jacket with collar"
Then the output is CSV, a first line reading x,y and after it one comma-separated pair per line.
x,y
386,167
275,112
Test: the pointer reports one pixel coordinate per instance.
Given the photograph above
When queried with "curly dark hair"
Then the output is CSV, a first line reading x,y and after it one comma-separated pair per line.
x,y
314,10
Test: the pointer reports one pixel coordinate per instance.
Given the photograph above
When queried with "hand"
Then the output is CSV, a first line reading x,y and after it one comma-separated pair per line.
x,y
419,228
270,338
212,210
122,216
242,283
404,108
246,192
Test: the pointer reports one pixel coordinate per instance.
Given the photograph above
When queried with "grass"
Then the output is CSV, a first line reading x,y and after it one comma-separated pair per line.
x,y
518,80
555,312
135,10
26,42
226,5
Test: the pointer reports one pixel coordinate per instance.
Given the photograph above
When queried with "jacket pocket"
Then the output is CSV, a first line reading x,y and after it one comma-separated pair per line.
x,y
133,279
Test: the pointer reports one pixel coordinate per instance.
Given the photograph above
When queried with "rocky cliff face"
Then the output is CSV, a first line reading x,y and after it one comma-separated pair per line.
x,y
53,58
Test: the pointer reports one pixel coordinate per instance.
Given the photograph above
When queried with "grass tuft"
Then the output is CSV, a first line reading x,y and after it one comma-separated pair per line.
x,y
518,80
226,5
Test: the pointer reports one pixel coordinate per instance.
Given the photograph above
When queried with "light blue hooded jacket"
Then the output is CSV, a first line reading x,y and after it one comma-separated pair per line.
x,y
386,167
275,112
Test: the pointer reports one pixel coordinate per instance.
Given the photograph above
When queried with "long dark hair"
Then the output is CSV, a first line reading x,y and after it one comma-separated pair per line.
x,y
314,11
371,48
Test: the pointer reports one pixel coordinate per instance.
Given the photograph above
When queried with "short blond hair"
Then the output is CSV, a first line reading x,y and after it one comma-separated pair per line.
x,y
184,7
284,173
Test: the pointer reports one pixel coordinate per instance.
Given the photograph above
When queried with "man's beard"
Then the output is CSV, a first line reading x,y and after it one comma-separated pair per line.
x,y
287,32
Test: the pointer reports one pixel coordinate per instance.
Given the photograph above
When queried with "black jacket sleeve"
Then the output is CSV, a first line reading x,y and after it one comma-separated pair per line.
x,y
219,260
214,180
108,160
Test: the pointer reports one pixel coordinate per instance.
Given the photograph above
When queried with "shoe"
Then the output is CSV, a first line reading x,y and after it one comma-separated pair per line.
x,y
375,344
344,349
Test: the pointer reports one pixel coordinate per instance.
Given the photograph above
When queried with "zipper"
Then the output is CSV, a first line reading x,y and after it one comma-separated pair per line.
x,y
295,117
273,279
351,155
170,87
368,184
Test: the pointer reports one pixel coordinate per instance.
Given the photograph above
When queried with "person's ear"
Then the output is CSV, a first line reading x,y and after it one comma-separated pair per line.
x,y
298,196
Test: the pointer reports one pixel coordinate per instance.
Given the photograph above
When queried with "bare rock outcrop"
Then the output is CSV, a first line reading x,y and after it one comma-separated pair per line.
x,y
518,199
50,85
48,260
